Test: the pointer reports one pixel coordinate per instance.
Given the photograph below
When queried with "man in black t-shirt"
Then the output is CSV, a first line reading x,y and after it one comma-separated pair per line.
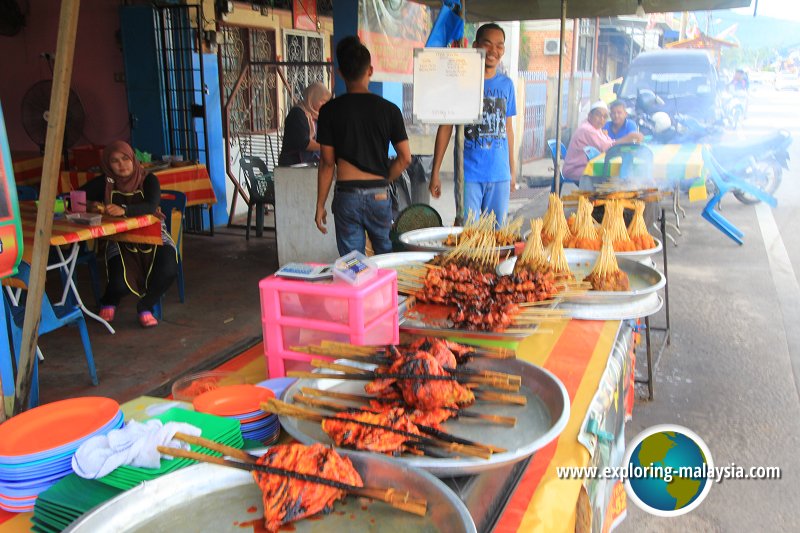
x,y
354,132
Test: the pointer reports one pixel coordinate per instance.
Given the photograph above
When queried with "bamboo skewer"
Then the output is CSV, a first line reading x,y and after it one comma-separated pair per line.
x,y
397,500
281,408
459,413
488,351
339,407
516,399
383,362
481,380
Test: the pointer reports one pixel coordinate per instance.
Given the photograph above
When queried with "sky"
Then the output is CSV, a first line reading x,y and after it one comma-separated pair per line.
x,y
782,9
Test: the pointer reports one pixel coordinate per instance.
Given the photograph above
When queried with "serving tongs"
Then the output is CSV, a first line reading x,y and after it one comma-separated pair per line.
x,y
401,500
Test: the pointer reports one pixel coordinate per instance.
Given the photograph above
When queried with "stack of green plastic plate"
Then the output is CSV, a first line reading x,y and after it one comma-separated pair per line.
x,y
222,430
68,499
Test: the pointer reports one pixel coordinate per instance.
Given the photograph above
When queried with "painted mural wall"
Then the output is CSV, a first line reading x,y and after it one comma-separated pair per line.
x,y
97,60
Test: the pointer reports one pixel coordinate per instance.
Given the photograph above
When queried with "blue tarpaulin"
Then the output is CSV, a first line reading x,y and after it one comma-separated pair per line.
x,y
448,27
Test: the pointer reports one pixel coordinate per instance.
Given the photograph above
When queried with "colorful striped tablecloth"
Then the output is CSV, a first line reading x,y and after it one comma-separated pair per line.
x,y
27,168
577,352
192,180
145,229
672,164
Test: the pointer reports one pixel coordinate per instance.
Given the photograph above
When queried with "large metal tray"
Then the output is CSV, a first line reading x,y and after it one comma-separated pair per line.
x,y
432,239
647,305
207,497
643,279
642,256
399,259
538,423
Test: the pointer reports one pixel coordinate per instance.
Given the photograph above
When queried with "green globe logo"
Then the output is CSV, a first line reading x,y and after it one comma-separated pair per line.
x,y
668,468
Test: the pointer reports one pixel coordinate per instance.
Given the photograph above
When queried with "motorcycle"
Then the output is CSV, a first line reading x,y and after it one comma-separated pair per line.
x,y
757,160
660,127
733,108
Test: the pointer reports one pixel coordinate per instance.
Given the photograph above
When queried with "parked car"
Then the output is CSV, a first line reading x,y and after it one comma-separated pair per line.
x,y
787,81
686,80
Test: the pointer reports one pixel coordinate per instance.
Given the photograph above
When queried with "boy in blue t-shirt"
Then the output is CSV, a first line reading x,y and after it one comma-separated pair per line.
x,y
620,125
489,164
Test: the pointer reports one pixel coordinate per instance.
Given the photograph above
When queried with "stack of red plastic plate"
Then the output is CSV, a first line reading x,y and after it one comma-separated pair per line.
x,y
242,402
36,447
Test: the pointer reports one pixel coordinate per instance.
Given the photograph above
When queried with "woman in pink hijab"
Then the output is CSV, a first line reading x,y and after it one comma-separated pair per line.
x,y
126,189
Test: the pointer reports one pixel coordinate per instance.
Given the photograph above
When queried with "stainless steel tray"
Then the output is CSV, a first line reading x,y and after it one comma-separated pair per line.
x,y
638,255
643,279
207,497
432,239
538,423
647,305
399,259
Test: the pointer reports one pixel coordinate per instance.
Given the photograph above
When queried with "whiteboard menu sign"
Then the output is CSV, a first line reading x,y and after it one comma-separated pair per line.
x,y
448,85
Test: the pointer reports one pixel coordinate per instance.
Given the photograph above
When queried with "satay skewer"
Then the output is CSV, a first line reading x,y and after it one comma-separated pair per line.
x,y
363,398
285,409
516,399
487,351
384,362
340,407
498,383
415,506
385,495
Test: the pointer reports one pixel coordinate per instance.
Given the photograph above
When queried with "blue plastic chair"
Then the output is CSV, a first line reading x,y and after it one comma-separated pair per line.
x,y
591,152
725,182
551,144
52,318
175,200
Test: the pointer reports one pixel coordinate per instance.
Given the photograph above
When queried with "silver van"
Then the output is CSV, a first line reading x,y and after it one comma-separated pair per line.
x,y
686,81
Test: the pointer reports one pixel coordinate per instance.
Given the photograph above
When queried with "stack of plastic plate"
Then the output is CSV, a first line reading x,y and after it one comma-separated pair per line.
x,y
277,385
36,447
242,403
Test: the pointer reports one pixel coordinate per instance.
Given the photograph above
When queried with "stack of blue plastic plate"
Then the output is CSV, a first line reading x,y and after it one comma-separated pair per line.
x,y
277,385
36,447
242,403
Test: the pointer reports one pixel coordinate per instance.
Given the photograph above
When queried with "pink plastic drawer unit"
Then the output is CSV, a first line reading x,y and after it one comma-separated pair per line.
x,y
282,335
298,313
334,301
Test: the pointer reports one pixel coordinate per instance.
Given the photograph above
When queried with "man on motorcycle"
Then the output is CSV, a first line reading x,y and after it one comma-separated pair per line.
x,y
740,81
620,125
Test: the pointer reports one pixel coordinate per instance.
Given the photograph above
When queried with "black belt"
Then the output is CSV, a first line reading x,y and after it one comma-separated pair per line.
x,y
355,190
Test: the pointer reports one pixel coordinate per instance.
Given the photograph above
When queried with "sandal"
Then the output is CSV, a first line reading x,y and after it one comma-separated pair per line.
x,y
147,320
107,312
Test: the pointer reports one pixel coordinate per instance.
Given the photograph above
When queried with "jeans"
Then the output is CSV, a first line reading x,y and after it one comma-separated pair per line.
x,y
356,211
485,196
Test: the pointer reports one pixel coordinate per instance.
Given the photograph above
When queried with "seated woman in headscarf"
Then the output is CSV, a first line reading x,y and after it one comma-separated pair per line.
x,y
300,128
126,189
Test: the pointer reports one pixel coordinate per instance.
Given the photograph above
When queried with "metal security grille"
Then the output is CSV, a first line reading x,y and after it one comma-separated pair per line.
x,y
178,42
301,47
533,141
244,56
252,78
183,77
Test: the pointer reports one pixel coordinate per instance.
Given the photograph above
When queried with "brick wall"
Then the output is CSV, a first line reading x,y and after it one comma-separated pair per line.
x,y
539,61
